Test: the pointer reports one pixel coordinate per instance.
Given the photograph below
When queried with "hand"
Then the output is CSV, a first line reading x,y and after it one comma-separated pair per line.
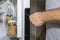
x,y
37,19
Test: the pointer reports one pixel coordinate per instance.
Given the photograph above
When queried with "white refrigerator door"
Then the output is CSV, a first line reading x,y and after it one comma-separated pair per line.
x,y
21,5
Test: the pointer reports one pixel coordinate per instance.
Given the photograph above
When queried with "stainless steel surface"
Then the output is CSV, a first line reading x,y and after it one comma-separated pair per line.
x,y
36,6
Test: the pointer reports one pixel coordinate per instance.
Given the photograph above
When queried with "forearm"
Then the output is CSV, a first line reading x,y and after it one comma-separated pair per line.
x,y
39,18
52,16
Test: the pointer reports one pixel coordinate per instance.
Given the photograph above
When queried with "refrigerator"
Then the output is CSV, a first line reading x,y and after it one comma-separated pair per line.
x,y
12,19
8,20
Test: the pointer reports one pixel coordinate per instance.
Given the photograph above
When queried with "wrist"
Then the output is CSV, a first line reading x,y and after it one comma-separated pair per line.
x,y
44,16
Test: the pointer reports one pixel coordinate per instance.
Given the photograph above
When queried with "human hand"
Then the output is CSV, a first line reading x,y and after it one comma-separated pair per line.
x,y
37,19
